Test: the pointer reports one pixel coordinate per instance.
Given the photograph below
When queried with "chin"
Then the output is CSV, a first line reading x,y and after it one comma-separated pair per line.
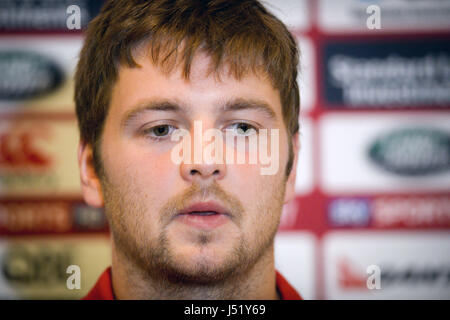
x,y
203,265
200,273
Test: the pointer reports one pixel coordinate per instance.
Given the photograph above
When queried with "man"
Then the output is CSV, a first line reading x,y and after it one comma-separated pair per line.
x,y
189,229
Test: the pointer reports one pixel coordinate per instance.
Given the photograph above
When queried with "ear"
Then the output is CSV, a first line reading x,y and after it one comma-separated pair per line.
x,y
290,184
90,183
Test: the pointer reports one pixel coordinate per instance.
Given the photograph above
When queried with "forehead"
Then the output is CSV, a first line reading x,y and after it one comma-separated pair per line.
x,y
173,57
203,85
173,62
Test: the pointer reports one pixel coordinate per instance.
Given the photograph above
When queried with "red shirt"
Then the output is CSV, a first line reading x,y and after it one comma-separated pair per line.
x,y
102,290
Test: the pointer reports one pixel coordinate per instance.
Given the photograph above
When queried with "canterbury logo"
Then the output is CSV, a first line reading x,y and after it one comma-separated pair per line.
x,y
20,151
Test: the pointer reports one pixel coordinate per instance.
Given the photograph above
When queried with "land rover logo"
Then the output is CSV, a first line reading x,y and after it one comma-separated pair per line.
x,y
27,75
412,151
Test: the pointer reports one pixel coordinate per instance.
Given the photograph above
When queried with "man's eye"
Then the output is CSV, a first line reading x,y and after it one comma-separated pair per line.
x,y
243,128
160,131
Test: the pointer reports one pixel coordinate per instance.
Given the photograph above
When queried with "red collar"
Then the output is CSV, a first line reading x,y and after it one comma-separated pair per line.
x,y
102,290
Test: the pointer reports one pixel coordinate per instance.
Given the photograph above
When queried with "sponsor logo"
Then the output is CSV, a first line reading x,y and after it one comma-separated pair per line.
x,y
349,212
23,265
53,267
38,157
21,148
352,277
21,15
412,74
89,218
413,212
427,211
35,217
27,75
400,16
349,277
412,152
408,265
32,217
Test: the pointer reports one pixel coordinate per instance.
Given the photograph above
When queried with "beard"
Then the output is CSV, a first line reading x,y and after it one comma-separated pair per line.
x,y
153,253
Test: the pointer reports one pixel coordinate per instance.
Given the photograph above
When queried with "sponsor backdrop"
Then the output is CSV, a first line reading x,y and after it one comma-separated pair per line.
x,y
371,219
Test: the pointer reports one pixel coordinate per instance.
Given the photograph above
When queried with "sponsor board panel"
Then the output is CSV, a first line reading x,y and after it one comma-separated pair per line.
x,y
305,174
427,211
307,74
22,217
385,152
36,267
289,215
305,213
398,15
349,212
38,157
295,259
293,13
37,72
411,265
386,73
46,15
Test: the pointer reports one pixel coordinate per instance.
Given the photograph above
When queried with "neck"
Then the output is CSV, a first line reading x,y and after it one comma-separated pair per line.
x,y
257,283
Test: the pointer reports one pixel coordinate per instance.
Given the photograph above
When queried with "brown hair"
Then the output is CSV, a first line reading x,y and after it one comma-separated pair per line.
x,y
241,35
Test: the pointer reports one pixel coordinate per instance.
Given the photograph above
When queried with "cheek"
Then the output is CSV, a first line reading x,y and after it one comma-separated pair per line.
x,y
130,154
153,174
252,188
148,173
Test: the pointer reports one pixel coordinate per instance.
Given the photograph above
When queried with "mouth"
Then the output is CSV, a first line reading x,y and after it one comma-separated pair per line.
x,y
204,215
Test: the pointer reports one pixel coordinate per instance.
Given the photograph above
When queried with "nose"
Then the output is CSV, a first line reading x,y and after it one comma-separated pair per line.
x,y
202,172
201,166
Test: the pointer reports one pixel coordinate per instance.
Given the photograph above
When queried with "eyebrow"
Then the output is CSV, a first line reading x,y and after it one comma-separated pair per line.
x,y
238,104
249,104
163,105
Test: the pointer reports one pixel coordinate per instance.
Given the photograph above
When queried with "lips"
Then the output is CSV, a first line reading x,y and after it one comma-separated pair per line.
x,y
204,215
205,209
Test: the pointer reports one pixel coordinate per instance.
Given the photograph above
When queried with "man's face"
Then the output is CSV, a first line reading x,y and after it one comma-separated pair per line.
x,y
147,196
